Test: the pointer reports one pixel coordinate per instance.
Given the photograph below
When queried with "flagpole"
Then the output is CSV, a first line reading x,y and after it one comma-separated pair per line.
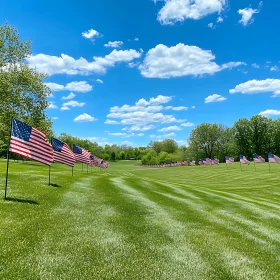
x,y
8,160
72,170
255,166
87,168
240,165
82,167
269,164
49,175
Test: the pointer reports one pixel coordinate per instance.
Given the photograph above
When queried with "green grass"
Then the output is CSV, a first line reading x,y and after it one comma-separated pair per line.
x,y
136,223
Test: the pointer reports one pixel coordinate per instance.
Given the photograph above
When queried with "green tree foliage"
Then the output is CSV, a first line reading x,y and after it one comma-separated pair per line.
x,y
22,90
205,137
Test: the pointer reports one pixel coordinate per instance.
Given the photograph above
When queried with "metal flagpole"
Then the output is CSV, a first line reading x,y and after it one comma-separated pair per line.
x,y
73,171
240,165
255,166
269,164
49,174
87,168
8,160
82,167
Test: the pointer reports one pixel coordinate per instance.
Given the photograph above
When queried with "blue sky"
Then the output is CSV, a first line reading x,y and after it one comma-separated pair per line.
x,y
132,71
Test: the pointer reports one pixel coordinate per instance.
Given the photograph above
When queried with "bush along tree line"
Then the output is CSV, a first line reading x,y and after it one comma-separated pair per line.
x,y
24,96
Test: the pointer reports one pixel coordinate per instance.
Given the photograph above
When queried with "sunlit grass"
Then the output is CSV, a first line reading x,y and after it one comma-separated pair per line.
x,y
131,222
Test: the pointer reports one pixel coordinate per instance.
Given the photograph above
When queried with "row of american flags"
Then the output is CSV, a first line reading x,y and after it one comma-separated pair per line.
x,y
32,143
212,161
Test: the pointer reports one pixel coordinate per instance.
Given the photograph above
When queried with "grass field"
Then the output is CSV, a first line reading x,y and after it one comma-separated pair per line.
x,y
135,223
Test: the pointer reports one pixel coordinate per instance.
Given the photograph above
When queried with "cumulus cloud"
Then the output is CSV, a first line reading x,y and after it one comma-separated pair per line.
x,y
187,124
270,112
180,60
214,98
82,86
144,112
255,65
66,64
247,15
179,10
170,128
138,127
114,44
91,34
72,103
84,118
179,108
211,25
111,122
258,86
71,95
99,81
54,118
52,105
274,68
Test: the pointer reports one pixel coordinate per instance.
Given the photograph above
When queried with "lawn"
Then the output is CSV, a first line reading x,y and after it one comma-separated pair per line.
x,y
131,222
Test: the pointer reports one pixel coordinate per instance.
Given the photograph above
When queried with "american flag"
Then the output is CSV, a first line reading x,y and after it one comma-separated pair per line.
x,y
258,159
81,154
192,162
229,160
94,161
62,153
273,158
200,162
215,161
104,164
30,142
207,161
244,160
184,162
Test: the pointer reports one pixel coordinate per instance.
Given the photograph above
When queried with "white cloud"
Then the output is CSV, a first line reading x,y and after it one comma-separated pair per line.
x,y
139,128
52,106
270,112
68,97
187,124
54,118
258,86
193,107
214,98
140,134
170,128
143,113
99,81
247,15
211,25
55,87
220,19
82,86
66,64
84,118
179,10
117,134
72,103
255,65
180,60
274,68
115,44
91,34
179,108
111,122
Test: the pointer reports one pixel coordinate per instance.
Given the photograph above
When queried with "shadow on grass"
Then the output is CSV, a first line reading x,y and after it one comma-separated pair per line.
x,y
22,200
55,185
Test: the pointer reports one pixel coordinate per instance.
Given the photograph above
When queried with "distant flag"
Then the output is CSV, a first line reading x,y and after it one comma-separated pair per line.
x,y
273,158
30,142
184,162
244,160
215,161
200,162
81,154
192,162
206,161
62,153
229,160
258,159
104,164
